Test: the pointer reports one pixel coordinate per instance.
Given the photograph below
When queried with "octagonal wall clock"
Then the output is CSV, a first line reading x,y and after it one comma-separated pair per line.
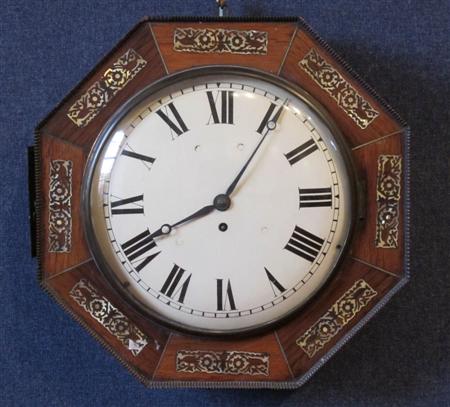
x,y
222,202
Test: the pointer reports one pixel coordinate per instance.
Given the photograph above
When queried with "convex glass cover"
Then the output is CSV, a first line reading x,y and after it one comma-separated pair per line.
x,y
218,200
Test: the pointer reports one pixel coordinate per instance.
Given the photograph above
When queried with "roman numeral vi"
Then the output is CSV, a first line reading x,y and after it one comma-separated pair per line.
x,y
225,297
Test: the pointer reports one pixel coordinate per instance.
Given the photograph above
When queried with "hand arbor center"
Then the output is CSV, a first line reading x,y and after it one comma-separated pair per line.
x,y
222,202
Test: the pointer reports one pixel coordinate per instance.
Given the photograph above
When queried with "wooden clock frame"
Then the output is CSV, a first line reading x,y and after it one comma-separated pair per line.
x,y
373,269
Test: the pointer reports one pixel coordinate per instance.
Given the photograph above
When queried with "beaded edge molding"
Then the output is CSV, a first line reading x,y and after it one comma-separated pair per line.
x,y
337,316
346,96
60,207
209,40
116,323
225,362
101,92
388,201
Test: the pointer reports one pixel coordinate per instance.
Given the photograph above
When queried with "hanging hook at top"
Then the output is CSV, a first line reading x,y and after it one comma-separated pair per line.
x,y
222,6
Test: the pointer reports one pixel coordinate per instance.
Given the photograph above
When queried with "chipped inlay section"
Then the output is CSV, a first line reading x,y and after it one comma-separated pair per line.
x,y
116,323
225,362
346,96
210,40
388,201
337,316
60,207
101,92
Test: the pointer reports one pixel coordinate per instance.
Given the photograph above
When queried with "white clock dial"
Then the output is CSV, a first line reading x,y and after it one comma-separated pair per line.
x,y
255,249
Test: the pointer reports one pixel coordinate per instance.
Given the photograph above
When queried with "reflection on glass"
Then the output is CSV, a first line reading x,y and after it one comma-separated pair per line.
x,y
111,152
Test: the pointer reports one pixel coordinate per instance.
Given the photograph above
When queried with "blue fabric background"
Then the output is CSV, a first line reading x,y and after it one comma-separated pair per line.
x,y
402,357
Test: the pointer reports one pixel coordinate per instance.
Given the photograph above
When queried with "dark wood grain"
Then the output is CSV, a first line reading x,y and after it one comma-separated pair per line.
x,y
266,343
53,262
146,361
279,36
348,274
382,125
363,247
141,40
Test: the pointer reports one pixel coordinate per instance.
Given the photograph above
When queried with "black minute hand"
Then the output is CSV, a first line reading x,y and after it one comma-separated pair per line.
x,y
270,126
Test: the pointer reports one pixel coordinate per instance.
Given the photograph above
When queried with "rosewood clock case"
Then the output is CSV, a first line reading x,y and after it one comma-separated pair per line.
x,y
374,267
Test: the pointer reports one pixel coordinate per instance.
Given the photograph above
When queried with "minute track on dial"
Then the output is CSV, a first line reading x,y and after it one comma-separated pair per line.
x,y
215,285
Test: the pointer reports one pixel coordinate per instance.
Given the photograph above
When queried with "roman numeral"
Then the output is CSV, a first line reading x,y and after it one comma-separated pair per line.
x,y
304,244
314,197
226,106
224,297
173,286
137,200
137,246
301,152
179,127
274,284
266,118
137,156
